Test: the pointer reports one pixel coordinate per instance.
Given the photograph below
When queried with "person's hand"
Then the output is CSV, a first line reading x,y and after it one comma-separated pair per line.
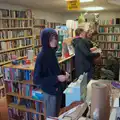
x,y
62,78
67,76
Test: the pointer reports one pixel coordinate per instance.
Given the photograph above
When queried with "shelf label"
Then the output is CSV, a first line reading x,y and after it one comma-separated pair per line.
x,y
73,4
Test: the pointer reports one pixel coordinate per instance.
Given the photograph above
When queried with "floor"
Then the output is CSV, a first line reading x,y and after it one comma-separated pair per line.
x,y
3,109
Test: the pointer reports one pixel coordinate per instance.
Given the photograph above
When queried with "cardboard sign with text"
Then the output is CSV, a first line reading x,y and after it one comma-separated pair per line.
x,y
73,4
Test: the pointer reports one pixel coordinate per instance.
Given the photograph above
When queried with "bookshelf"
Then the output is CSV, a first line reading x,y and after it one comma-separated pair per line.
x,y
109,38
16,35
19,94
39,25
53,24
19,89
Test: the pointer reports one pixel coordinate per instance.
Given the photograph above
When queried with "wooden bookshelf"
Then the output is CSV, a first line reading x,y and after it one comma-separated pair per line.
x,y
110,25
24,97
13,49
8,18
12,39
109,33
3,63
16,28
53,24
109,39
16,35
23,108
20,94
39,25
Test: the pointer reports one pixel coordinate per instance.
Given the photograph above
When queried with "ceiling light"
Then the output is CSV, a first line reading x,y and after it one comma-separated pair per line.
x,y
93,8
86,0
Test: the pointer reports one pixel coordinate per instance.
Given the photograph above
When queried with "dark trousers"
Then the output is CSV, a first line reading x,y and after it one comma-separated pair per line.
x,y
90,74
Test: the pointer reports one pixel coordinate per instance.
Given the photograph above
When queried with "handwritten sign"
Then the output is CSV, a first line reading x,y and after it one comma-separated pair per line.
x,y
73,5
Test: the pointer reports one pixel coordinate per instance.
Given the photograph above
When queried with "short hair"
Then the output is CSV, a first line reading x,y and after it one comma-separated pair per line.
x,y
78,31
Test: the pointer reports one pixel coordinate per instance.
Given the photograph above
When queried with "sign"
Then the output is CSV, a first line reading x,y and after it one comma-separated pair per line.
x,y
73,5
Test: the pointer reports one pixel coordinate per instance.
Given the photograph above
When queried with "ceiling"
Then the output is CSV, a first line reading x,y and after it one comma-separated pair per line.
x,y
60,5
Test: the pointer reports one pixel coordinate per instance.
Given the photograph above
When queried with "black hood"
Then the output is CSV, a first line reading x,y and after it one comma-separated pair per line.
x,y
45,37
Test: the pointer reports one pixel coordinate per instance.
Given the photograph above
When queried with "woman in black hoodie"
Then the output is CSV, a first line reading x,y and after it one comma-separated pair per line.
x,y
83,56
47,73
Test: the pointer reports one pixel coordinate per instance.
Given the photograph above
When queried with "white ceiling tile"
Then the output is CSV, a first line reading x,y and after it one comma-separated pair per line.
x,y
60,5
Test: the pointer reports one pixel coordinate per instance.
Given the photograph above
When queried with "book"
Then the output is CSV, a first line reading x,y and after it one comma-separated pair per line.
x,y
107,22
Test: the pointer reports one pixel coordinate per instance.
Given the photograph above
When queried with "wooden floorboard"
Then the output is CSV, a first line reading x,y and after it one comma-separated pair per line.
x,y
3,109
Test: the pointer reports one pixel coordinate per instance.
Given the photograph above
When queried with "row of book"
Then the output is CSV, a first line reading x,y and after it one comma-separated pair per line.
x,y
14,44
69,66
9,34
114,53
37,31
66,66
53,25
37,42
11,74
109,29
15,23
6,13
20,89
110,46
16,74
10,55
39,22
21,115
107,22
114,21
37,50
37,106
108,38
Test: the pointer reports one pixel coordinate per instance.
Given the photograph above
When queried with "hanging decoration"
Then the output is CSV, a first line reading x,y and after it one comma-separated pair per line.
x,y
81,19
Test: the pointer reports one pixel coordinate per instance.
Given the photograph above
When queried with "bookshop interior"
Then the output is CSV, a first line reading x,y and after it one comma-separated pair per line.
x,y
59,60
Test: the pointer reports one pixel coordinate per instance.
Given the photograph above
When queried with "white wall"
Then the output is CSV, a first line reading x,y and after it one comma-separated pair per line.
x,y
109,15
103,15
51,17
